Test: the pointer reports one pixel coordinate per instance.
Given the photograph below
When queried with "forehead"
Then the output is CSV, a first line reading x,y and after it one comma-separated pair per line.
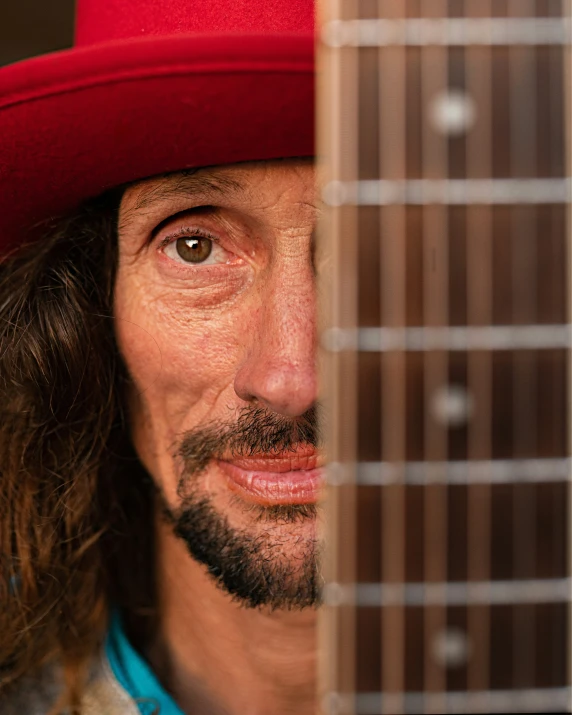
x,y
243,183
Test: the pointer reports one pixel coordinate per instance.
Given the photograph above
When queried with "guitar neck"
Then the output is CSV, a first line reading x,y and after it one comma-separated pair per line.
x,y
444,135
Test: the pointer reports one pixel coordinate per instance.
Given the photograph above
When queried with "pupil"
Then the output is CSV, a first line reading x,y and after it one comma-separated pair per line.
x,y
194,250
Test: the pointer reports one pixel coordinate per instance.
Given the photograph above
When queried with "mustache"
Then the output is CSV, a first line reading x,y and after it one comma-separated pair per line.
x,y
255,431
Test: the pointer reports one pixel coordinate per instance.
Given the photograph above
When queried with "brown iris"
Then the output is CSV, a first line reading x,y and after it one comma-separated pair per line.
x,y
194,249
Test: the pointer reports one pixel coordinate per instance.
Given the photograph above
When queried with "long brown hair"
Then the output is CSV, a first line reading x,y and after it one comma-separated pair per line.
x,y
75,503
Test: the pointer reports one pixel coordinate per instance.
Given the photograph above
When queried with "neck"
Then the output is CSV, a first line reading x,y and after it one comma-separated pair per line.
x,y
215,656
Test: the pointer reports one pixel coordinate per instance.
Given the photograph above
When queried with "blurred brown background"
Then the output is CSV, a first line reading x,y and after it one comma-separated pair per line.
x,y
32,27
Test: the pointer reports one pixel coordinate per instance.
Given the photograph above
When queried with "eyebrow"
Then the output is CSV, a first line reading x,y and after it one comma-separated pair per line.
x,y
185,183
182,185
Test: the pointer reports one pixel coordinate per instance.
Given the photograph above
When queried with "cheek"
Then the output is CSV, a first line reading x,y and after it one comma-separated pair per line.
x,y
172,351
182,365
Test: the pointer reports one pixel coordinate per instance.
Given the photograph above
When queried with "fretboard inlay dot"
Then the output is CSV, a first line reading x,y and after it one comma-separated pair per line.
x,y
452,112
452,406
452,648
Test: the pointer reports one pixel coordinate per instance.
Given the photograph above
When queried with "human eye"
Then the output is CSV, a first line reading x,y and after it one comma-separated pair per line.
x,y
190,246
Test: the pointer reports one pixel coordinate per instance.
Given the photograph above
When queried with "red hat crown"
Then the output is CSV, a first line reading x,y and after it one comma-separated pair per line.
x,y
100,21
153,86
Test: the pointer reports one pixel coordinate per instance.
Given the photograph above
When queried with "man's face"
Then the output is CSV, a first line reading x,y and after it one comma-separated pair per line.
x,y
215,319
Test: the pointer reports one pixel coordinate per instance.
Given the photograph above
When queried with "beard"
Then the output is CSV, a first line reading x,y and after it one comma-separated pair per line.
x,y
274,564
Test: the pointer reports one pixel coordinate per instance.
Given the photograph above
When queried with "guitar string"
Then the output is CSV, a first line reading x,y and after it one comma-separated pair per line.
x,y
479,237
348,165
553,62
346,142
392,78
335,637
565,60
523,119
434,80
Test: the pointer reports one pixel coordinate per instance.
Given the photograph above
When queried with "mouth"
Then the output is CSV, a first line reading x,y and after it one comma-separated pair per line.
x,y
293,477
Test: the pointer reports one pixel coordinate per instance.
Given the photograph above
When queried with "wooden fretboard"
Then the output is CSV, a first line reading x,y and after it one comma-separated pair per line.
x,y
444,131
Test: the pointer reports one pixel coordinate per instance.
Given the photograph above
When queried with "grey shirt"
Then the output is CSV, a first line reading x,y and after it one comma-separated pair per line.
x,y
37,694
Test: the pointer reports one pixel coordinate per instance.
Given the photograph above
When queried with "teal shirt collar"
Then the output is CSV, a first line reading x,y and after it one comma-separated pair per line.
x,y
134,673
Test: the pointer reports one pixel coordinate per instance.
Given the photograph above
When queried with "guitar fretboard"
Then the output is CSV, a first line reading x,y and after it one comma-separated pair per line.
x,y
444,134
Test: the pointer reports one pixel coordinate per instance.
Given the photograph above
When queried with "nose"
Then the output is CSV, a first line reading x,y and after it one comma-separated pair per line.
x,y
279,371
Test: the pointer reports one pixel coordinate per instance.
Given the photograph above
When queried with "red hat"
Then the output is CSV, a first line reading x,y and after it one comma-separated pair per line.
x,y
153,86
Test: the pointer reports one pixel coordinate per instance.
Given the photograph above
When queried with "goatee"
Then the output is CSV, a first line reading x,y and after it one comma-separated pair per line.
x,y
274,565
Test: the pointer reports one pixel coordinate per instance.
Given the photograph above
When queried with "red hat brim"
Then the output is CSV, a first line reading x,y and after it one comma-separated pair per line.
x,y
76,123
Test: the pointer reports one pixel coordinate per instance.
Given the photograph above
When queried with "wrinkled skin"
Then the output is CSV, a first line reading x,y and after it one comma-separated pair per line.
x,y
202,341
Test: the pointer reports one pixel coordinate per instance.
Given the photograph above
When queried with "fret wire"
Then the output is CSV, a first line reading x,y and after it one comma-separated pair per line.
x,y
477,702
449,593
448,32
449,192
491,472
451,339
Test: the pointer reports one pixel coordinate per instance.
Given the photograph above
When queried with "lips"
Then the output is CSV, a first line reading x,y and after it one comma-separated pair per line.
x,y
293,477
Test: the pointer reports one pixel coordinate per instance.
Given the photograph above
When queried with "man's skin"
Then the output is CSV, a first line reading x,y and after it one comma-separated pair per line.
x,y
201,341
